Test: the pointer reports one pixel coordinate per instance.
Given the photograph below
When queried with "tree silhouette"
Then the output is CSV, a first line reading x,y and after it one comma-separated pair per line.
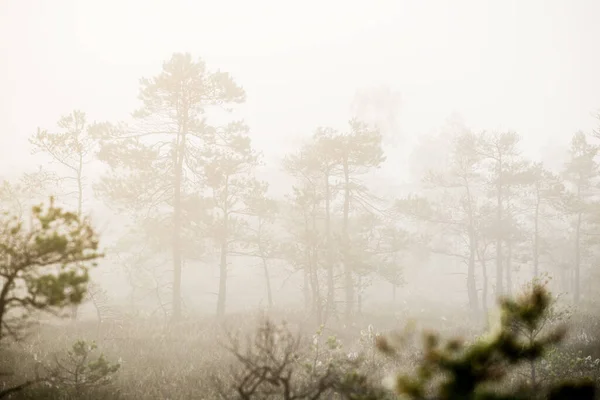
x,y
228,168
356,153
455,370
155,164
44,264
581,177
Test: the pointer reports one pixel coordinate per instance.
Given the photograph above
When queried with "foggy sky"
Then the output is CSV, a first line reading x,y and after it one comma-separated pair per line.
x,y
532,66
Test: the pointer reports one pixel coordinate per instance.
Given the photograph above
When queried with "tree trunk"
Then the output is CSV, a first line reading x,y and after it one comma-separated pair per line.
x,y
330,307
80,186
348,281
508,268
499,271
394,285
536,238
176,263
308,302
577,267
532,369
508,242
98,312
267,283
75,309
3,297
177,226
306,291
222,297
471,283
317,302
485,286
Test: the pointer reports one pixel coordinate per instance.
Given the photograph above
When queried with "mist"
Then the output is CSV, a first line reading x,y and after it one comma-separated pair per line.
x,y
347,167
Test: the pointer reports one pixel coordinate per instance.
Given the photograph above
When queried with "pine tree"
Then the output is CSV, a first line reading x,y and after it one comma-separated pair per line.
x,y
455,370
155,163
581,177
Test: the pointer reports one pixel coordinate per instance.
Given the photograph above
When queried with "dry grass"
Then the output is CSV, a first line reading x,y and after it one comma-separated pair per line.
x,y
181,361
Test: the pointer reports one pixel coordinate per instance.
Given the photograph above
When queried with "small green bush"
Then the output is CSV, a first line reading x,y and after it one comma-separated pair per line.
x,y
453,370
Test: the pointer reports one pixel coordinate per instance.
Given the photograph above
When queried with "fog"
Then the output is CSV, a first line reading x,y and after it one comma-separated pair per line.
x,y
420,75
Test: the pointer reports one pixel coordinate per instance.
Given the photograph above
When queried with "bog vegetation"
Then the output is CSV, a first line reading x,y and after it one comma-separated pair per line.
x,y
186,187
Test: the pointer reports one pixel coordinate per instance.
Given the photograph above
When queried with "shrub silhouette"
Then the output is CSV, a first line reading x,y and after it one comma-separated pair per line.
x,y
276,364
80,373
455,370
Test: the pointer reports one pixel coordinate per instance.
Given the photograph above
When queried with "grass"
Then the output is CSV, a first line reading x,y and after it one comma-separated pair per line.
x,y
181,361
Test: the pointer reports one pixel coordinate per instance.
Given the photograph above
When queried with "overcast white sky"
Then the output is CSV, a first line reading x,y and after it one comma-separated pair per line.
x,y
532,66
